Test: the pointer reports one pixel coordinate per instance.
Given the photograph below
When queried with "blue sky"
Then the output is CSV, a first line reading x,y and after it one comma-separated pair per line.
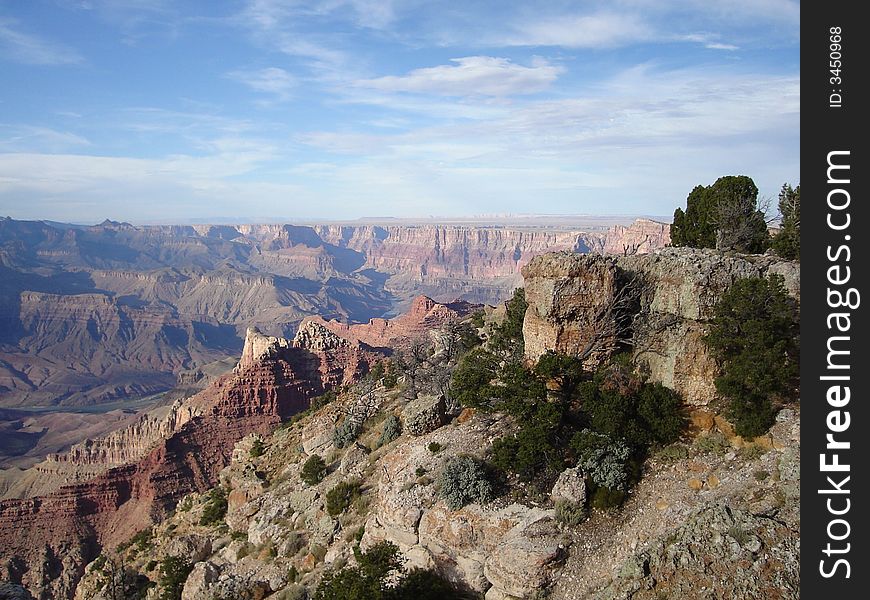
x,y
265,110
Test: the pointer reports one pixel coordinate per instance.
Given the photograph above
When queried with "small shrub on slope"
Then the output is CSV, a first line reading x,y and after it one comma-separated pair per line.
x,y
463,481
313,470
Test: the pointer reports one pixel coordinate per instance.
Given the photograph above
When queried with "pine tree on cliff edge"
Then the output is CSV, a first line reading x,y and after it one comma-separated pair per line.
x,y
724,216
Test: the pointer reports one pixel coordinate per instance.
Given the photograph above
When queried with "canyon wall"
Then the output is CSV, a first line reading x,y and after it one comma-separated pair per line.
x,y
46,541
676,291
89,315
423,316
138,473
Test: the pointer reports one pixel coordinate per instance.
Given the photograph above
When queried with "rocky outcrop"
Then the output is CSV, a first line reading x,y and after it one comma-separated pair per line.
x,y
274,381
670,295
423,316
641,237
130,443
425,413
147,467
342,360
260,347
569,297
509,552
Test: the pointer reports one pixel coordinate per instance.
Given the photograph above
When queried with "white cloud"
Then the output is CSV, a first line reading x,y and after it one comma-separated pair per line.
x,y
18,137
272,80
279,24
709,41
471,76
18,46
721,46
643,138
598,30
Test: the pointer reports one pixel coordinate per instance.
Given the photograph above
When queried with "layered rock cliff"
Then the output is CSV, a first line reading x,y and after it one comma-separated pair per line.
x,y
129,443
671,300
423,316
46,541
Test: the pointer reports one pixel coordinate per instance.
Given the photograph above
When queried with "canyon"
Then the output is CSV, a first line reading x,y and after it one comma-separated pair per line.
x,y
104,490
511,549
91,315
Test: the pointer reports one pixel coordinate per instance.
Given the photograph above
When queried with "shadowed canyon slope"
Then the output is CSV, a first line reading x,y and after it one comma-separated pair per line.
x,y
114,311
104,490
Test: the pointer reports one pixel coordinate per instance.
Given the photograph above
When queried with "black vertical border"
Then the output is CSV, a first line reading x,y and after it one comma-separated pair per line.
x,y
825,129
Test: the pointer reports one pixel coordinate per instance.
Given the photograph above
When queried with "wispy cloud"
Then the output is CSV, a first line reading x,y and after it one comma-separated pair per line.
x,y
273,81
136,20
708,40
471,76
27,137
597,30
19,46
277,24
721,46
645,133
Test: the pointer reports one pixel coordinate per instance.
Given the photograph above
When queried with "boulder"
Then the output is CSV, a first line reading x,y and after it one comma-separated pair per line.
x,y
199,582
523,561
570,486
424,414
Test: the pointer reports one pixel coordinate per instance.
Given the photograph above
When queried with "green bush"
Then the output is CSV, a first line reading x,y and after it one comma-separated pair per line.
x,y
713,443
173,573
322,400
605,461
391,377
570,513
378,371
346,433
604,498
423,584
507,338
293,574
372,580
463,480
566,371
216,507
472,382
661,411
257,448
724,215
753,335
313,470
142,539
392,430
434,447
535,446
672,453
339,498
616,403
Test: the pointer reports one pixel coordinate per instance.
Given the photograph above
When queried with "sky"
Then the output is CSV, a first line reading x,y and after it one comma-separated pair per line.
x,y
279,110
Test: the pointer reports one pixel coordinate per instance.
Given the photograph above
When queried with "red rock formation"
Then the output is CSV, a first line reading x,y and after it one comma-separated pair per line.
x,y
46,541
641,237
424,315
